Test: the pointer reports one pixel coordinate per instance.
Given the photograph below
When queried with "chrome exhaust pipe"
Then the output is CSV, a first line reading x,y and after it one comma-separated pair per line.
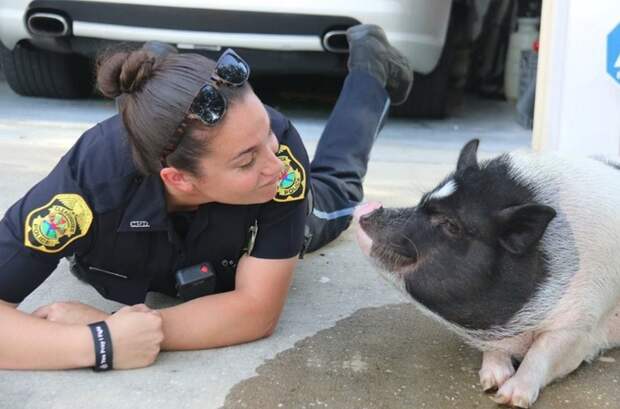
x,y
48,24
335,41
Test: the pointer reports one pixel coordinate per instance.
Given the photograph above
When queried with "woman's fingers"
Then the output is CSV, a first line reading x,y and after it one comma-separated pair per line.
x,y
136,336
140,308
42,312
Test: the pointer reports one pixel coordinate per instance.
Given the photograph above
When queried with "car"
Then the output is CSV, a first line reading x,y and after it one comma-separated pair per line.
x,y
48,46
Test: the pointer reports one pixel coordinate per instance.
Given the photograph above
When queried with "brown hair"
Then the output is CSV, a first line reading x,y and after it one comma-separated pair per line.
x,y
154,87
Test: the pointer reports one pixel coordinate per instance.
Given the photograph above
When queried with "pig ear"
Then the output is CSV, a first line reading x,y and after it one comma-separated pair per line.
x,y
467,157
522,226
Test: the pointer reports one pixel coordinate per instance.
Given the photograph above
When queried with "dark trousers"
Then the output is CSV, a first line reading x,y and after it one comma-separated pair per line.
x,y
341,158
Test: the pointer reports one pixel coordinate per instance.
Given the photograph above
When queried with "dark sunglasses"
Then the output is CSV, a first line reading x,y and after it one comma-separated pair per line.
x,y
209,104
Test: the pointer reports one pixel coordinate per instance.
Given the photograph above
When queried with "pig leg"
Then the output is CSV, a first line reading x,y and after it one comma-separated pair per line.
x,y
496,369
613,328
552,355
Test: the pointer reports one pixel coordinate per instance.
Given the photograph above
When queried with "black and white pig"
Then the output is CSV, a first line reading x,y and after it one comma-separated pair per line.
x,y
520,255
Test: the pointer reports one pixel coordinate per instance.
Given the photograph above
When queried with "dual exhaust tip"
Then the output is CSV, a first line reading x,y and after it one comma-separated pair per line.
x,y
335,41
56,25
48,24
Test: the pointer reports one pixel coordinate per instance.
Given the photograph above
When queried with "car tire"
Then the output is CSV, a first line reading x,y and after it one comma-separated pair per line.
x,y
41,73
430,92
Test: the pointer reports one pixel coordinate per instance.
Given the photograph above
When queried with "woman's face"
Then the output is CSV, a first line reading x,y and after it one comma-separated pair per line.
x,y
241,166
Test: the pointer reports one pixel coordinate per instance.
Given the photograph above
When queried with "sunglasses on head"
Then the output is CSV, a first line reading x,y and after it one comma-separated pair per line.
x,y
209,105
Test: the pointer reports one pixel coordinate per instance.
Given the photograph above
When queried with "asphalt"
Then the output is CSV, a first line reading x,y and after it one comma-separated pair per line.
x,y
347,339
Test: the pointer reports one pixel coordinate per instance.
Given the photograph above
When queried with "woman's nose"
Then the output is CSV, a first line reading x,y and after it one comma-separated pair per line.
x,y
275,165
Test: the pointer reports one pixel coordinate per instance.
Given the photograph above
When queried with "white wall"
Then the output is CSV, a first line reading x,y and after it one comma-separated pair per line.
x,y
577,102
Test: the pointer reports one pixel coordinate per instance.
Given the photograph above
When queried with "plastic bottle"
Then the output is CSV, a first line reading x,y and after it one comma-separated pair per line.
x,y
520,40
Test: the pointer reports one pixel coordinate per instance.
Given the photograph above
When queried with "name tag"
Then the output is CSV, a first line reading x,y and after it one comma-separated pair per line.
x,y
139,224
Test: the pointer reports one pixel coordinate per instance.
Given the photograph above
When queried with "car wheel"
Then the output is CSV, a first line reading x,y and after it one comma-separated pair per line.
x,y
40,73
430,92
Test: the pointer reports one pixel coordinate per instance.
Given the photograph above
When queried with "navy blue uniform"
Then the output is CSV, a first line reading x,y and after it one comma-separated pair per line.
x,y
96,208
128,244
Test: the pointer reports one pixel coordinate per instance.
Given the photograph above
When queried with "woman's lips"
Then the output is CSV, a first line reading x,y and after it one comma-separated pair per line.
x,y
273,183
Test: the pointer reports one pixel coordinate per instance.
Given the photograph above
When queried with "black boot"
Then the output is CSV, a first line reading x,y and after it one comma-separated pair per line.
x,y
370,51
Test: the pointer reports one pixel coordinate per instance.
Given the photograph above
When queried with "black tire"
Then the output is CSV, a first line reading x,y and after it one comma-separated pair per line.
x,y
430,92
40,73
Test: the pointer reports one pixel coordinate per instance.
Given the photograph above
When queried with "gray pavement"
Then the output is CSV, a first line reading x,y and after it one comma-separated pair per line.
x,y
346,339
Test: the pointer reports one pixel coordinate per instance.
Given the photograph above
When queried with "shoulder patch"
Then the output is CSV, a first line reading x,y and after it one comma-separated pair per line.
x,y
50,228
293,182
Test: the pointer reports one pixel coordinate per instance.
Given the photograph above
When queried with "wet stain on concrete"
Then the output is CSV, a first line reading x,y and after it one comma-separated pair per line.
x,y
393,357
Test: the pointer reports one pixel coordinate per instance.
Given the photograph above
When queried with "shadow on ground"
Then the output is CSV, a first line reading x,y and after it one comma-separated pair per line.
x,y
377,358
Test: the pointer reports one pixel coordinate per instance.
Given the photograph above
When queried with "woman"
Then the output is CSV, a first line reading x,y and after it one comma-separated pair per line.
x,y
196,182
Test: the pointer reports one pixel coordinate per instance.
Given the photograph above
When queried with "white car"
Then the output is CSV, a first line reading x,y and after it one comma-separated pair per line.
x,y
49,45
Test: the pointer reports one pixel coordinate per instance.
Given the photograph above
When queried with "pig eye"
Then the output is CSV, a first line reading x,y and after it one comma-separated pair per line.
x,y
431,210
450,227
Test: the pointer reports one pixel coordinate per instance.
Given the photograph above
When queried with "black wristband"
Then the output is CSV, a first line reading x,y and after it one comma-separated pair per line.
x,y
103,346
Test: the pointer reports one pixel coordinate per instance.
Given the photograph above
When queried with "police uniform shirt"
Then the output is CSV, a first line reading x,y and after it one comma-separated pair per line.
x,y
97,209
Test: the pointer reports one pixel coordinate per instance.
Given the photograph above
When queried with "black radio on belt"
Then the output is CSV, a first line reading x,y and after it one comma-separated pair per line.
x,y
195,281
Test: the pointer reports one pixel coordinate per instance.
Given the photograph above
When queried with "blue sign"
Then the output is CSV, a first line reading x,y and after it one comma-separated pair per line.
x,y
613,53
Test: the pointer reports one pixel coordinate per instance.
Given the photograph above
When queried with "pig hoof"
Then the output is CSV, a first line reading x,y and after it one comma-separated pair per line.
x,y
489,385
516,394
492,378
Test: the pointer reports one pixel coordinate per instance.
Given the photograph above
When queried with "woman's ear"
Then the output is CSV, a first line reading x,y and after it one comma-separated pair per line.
x,y
177,179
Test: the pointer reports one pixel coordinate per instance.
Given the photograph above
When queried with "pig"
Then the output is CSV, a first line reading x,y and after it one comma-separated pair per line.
x,y
519,255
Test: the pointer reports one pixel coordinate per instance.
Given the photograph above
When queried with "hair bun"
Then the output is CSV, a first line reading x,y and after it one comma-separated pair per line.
x,y
158,48
125,72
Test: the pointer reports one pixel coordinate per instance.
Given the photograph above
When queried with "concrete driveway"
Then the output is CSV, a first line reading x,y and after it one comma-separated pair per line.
x,y
346,339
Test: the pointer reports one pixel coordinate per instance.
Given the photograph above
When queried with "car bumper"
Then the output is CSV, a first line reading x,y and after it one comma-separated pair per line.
x,y
416,27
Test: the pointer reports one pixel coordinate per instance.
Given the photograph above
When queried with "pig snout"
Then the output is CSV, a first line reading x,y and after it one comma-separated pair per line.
x,y
362,211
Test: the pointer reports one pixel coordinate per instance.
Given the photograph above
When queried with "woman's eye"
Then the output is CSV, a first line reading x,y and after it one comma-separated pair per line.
x,y
249,164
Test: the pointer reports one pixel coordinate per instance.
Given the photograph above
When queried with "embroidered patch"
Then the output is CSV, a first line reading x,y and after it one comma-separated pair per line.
x,y
52,227
293,182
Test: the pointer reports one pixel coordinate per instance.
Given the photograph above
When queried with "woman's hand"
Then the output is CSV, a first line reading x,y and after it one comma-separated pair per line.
x,y
136,336
136,331
70,312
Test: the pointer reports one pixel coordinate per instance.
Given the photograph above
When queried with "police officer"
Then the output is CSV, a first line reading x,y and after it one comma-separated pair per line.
x,y
195,171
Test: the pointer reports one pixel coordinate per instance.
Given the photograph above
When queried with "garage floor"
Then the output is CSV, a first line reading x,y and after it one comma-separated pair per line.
x,y
346,339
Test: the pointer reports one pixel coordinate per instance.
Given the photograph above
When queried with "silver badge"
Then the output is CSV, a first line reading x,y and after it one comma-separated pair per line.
x,y
253,233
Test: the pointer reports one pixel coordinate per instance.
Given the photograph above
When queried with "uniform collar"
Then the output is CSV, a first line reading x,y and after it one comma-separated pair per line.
x,y
200,222
146,210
